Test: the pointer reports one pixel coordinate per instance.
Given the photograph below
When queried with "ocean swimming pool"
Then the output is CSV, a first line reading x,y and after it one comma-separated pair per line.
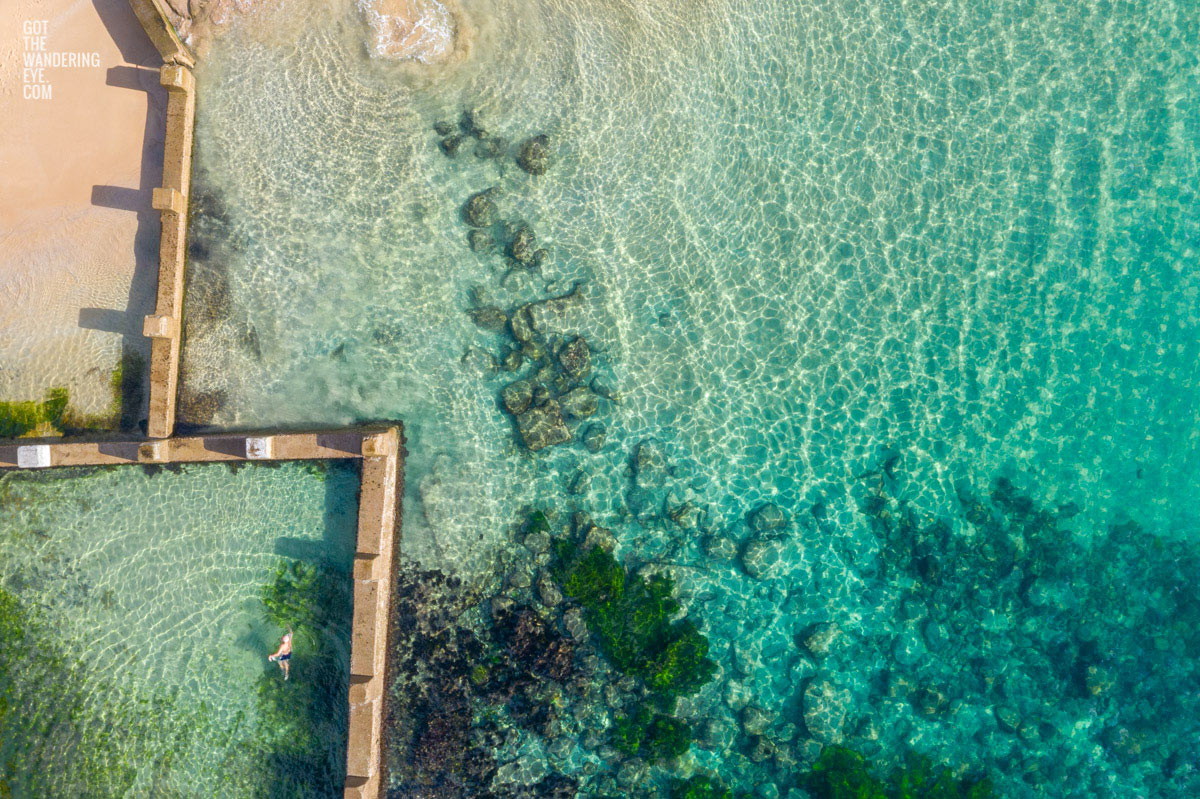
x,y
134,606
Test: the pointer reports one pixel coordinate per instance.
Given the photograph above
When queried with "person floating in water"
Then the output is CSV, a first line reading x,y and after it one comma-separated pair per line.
x,y
284,653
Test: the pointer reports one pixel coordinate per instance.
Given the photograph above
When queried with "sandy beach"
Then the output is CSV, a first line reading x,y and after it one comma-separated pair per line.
x,y
80,153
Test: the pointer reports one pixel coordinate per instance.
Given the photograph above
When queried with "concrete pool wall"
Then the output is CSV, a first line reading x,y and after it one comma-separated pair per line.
x,y
164,326
381,451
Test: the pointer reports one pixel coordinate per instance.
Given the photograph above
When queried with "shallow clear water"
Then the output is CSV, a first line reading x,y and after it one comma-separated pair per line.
x,y
810,236
145,632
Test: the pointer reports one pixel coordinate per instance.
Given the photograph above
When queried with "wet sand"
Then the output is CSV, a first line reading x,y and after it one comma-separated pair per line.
x,y
78,236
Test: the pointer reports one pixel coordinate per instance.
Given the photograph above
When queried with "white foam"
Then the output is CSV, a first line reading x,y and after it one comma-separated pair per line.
x,y
410,30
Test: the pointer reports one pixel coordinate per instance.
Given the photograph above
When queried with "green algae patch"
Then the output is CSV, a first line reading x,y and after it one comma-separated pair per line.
x,y
652,736
631,617
700,786
842,773
54,416
26,418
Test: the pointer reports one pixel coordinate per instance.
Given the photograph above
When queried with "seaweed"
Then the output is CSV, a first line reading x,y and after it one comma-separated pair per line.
x,y
842,773
53,745
699,786
631,617
652,736
28,417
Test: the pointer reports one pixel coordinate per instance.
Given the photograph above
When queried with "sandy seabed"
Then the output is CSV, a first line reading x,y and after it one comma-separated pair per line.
x,y
80,152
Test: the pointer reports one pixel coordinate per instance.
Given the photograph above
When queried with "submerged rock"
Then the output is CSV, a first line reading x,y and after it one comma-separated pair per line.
x,y
490,318
523,245
825,708
633,772
481,361
767,518
521,325
548,591
687,516
649,465
579,483
762,558
579,403
1007,718
480,210
517,397
472,124
491,147
534,155
556,785
480,241
444,127
451,145
821,638
539,257
576,359
755,720
512,360
574,624
594,437
543,426
720,547
558,313
908,648
537,542
605,390
929,701
596,536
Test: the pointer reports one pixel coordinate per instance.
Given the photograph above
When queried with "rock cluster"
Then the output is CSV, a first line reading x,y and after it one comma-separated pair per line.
x,y
554,390
470,125
533,154
460,680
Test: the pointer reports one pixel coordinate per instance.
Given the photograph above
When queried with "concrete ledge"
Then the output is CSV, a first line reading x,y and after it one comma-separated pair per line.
x,y
153,17
154,452
168,200
176,78
323,445
160,327
260,448
34,456
171,199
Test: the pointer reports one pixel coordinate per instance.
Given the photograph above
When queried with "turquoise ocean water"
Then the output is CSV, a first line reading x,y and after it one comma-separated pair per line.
x,y
827,252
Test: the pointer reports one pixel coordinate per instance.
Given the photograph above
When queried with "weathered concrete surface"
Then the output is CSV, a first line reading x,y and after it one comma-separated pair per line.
x,y
378,526
155,20
381,450
171,200
222,447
